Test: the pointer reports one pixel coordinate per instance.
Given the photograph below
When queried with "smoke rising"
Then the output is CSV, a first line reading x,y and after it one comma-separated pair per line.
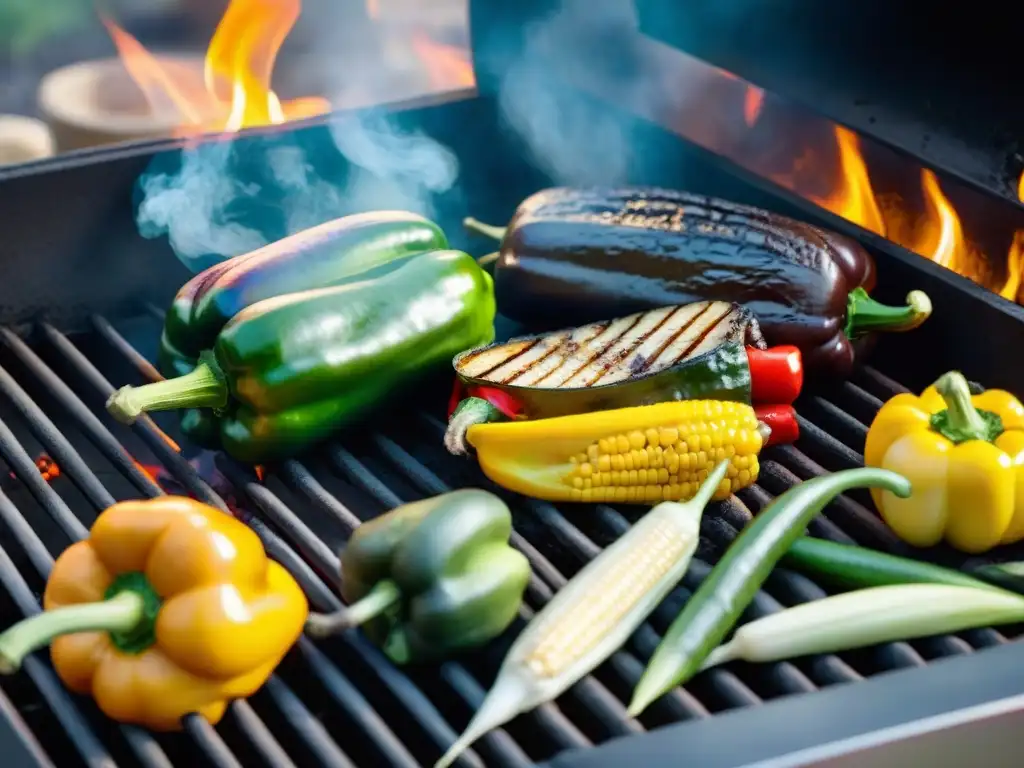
x,y
228,198
575,140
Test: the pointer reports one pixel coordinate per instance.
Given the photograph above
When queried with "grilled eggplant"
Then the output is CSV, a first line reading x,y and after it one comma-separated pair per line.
x,y
574,256
709,350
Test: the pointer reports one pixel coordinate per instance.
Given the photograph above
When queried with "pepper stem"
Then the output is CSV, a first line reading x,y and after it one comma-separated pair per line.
x,y
472,410
961,421
383,595
487,259
119,615
864,314
480,228
204,387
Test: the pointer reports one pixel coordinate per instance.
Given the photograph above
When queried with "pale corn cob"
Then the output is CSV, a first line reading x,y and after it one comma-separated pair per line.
x,y
669,463
595,613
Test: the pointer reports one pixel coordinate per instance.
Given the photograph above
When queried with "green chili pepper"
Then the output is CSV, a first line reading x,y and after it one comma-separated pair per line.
x,y
727,591
1004,575
286,372
431,577
853,567
332,253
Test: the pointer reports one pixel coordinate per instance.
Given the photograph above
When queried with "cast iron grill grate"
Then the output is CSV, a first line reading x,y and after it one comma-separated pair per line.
x,y
341,703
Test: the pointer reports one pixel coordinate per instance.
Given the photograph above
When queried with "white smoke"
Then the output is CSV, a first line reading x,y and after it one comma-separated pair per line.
x,y
201,206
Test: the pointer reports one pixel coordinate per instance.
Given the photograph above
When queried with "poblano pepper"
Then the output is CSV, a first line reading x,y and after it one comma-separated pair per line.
x,y
333,253
286,372
431,577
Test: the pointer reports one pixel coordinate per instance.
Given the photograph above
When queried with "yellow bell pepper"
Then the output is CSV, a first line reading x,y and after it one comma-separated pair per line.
x,y
963,455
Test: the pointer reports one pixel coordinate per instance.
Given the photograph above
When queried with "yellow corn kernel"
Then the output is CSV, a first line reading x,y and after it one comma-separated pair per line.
x,y
569,636
641,455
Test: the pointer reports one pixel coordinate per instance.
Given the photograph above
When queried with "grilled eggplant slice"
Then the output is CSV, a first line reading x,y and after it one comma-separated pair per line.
x,y
694,351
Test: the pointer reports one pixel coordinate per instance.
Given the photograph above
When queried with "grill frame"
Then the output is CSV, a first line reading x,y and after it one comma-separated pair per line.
x,y
545,532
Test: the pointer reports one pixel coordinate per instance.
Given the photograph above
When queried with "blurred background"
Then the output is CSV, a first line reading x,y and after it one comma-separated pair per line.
x,y
333,54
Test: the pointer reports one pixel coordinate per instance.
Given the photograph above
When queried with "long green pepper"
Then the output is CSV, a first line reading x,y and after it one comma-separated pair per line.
x,y
722,597
286,372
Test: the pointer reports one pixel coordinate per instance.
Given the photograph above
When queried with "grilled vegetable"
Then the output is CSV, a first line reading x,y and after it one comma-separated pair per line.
x,y
856,567
332,253
727,591
867,617
288,371
594,614
964,454
639,455
432,577
577,256
1004,575
693,352
169,607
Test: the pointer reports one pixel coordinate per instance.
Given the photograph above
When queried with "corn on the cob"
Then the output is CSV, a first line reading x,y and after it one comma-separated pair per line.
x,y
640,455
594,614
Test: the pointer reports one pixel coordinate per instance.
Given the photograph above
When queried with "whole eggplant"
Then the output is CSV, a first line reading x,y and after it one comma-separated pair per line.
x,y
573,256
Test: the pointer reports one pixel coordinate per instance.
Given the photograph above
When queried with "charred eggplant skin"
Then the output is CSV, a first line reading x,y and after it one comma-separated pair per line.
x,y
572,256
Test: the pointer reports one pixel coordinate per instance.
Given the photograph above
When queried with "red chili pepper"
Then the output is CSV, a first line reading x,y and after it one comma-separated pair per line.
x,y
776,374
781,419
503,401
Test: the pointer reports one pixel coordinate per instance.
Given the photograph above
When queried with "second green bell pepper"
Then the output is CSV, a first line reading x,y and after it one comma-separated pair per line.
x,y
286,372
431,577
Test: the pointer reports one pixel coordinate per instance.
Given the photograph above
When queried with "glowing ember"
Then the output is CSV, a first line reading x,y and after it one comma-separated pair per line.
x,y
236,92
753,100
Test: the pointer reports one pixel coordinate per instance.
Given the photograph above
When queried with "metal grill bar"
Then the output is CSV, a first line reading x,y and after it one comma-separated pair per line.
x,y
394,720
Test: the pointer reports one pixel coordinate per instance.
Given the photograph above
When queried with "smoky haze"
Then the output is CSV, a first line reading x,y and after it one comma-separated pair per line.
x,y
205,207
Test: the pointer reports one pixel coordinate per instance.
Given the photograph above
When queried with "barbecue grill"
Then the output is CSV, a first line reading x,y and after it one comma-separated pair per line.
x,y
80,304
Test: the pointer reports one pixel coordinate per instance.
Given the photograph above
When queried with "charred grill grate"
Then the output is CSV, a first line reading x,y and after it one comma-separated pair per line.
x,y
340,703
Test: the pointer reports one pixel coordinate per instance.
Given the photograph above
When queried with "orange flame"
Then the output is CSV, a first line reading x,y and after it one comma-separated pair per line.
x,y
753,100
235,92
448,67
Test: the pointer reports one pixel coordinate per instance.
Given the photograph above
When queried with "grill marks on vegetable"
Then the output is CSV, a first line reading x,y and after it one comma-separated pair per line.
x,y
610,352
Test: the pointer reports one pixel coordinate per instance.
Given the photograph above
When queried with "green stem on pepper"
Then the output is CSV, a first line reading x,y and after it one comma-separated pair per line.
x,y
472,410
488,230
128,615
487,259
379,599
864,314
204,387
961,421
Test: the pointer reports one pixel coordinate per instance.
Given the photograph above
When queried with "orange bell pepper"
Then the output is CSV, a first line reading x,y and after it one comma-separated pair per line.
x,y
169,607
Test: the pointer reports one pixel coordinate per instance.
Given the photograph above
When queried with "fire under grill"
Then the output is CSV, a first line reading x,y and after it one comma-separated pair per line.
x,y
341,703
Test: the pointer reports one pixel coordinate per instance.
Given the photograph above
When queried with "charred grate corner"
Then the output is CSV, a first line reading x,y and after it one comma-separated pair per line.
x,y
341,703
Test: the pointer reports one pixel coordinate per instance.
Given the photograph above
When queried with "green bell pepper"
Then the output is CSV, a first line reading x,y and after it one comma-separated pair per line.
x,y
333,253
431,577
286,372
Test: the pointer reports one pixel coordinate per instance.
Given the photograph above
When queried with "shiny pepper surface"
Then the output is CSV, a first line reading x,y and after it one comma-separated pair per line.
x,y
963,455
186,613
